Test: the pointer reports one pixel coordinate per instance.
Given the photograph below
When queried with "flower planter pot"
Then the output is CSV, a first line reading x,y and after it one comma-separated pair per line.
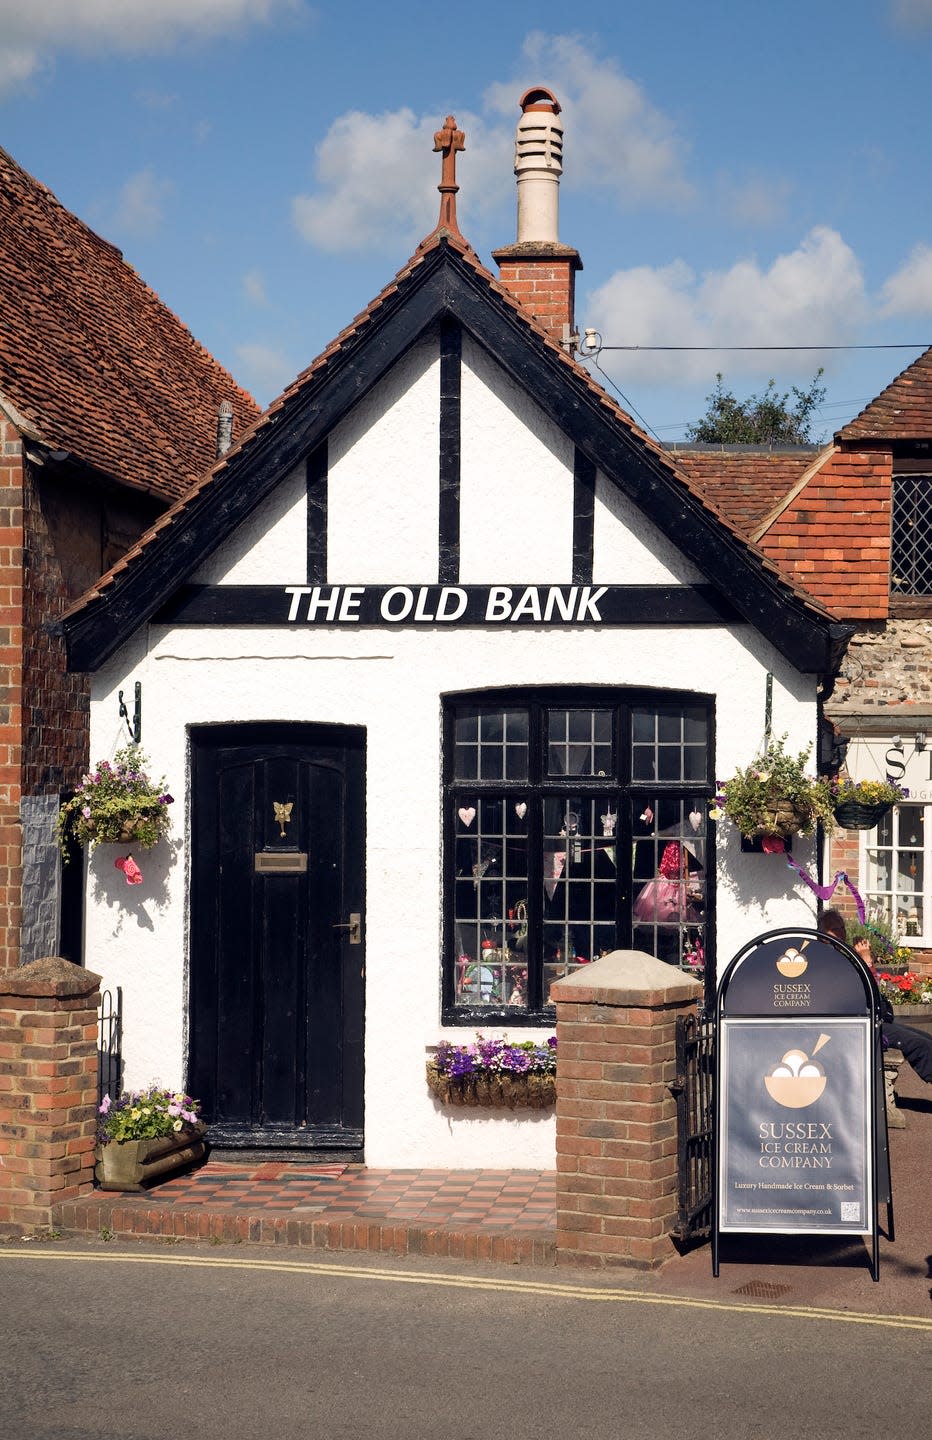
x,y
854,815
493,1090
133,1164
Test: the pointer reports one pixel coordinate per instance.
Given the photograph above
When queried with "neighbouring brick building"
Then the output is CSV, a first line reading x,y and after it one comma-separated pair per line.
x,y
852,522
108,412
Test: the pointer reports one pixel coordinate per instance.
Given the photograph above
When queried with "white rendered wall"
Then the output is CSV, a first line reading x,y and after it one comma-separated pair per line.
x,y
391,681
516,485
270,547
625,543
383,496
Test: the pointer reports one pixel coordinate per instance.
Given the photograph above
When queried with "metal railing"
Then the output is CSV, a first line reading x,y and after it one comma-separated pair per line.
x,y
694,1090
110,1045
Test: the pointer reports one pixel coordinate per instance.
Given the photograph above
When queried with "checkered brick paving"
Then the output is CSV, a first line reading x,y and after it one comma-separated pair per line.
x,y
503,1215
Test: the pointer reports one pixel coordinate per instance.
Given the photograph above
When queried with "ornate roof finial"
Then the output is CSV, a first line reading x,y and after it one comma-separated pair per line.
x,y
448,141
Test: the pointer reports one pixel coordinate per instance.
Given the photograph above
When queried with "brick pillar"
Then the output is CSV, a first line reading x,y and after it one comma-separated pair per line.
x,y
48,1089
616,1117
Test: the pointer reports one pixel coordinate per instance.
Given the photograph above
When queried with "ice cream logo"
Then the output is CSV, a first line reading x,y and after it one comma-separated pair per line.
x,y
793,962
797,1081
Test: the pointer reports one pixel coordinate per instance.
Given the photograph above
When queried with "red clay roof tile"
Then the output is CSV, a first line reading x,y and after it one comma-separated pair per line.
x,y
903,411
90,357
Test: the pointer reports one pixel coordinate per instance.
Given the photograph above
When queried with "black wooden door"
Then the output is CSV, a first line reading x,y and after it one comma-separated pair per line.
x,y
277,971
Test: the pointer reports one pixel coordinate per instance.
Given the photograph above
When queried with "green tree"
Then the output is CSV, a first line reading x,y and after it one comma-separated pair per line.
x,y
765,419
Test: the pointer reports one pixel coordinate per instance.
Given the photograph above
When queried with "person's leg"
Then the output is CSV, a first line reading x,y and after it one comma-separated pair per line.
x,y
916,1046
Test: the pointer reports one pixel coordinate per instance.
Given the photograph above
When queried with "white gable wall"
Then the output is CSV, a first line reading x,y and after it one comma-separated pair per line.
x,y
391,681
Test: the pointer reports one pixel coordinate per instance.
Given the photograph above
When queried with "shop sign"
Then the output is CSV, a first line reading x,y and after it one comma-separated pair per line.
x,y
796,1108
795,1153
316,606
904,763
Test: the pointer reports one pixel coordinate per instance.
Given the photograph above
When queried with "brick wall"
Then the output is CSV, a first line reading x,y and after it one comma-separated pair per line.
x,y
48,1090
543,278
616,1114
11,692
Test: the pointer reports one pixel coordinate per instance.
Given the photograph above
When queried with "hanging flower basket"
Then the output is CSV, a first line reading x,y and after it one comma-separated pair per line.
x,y
116,803
775,797
852,815
862,804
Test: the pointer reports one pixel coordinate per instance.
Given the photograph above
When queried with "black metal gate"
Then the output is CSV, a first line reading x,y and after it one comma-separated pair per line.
x,y
110,1046
694,1090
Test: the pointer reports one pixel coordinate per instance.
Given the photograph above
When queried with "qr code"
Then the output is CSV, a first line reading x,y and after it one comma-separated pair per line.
x,y
850,1210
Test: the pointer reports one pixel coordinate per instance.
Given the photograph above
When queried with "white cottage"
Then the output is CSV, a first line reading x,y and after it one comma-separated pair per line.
x,y
442,660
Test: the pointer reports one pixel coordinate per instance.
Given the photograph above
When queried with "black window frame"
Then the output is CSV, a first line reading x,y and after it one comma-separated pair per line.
x,y
631,798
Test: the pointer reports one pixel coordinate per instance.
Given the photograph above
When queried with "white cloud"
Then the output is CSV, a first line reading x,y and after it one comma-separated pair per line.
x,y
33,30
909,291
266,371
912,14
254,287
140,206
616,140
813,295
376,187
378,180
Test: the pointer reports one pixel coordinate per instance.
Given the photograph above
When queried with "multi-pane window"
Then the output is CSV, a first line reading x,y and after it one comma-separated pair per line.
x,y
897,866
576,823
911,544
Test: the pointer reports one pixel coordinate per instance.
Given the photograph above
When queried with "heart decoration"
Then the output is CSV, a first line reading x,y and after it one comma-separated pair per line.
x,y
467,814
695,819
520,809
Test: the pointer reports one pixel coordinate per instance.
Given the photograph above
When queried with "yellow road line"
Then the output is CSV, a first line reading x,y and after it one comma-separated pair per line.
x,y
511,1285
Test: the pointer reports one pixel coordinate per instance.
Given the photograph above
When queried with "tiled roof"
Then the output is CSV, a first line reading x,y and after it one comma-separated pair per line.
x,y
903,411
834,535
823,517
746,485
92,360
297,395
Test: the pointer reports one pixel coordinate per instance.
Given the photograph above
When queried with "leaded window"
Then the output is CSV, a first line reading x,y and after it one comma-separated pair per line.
x,y
575,824
911,543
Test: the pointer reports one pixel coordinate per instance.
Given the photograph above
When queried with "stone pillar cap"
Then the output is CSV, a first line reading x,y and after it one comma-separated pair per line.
x,y
51,977
626,977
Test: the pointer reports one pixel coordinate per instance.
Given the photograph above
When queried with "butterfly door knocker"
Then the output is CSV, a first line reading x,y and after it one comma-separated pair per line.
x,y
282,815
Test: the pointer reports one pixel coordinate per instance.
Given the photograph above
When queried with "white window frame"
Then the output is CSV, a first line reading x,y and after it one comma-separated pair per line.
x,y
885,899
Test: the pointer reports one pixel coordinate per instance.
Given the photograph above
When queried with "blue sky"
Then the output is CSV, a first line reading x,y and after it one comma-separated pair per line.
x,y
735,173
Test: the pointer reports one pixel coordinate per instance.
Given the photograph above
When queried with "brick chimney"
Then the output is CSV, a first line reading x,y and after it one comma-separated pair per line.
x,y
538,270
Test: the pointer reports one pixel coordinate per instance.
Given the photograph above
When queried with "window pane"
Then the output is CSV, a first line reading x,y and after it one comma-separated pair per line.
x,y
580,868
491,744
669,878
579,742
490,900
669,744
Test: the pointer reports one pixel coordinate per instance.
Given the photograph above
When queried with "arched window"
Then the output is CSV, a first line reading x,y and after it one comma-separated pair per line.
x,y
575,823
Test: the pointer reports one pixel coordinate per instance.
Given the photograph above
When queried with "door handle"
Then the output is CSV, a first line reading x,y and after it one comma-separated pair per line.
x,y
354,926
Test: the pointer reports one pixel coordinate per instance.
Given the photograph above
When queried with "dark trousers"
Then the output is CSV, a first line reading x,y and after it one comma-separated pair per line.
x,y
916,1046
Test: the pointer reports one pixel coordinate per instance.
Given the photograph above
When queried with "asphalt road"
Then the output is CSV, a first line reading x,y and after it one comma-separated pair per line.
x,y
117,1342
